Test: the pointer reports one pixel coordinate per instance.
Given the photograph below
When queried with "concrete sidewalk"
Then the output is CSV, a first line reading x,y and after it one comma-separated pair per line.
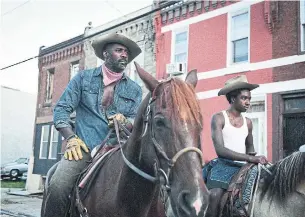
x,y
17,202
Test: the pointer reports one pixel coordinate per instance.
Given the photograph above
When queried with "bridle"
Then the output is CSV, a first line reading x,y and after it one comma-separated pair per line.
x,y
161,177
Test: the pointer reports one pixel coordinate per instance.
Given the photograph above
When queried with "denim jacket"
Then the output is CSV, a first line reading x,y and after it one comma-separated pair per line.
x,y
84,95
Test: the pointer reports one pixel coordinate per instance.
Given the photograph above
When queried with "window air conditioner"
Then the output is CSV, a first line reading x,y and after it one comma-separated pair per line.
x,y
176,68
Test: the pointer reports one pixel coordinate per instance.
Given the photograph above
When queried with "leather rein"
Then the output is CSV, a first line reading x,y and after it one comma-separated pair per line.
x,y
161,177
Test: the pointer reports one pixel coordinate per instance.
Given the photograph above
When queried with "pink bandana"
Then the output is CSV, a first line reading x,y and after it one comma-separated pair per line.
x,y
110,76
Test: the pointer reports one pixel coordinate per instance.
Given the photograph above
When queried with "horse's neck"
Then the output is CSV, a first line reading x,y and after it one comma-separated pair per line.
x,y
142,191
140,154
293,205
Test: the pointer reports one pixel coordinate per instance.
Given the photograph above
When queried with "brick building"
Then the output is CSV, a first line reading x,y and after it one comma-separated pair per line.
x,y
221,39
56,66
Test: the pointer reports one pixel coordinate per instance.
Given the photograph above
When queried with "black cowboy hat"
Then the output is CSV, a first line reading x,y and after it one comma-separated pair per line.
x,y
99,45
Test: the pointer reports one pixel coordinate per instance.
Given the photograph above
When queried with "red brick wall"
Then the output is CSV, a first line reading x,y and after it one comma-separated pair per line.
x,y
285,37
61,79
286,41
260,37
208,44
208,108
261,76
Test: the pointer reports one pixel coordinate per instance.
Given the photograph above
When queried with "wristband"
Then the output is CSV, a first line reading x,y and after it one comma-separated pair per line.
x,y
70,137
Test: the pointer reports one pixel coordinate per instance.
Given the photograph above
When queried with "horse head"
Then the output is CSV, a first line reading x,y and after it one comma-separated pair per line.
x,y
170,131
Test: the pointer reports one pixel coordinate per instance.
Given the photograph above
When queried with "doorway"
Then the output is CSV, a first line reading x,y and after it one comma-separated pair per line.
x,y
293,123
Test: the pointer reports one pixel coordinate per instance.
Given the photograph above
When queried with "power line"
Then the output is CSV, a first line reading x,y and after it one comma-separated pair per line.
x,y
115,8
169,3
15,8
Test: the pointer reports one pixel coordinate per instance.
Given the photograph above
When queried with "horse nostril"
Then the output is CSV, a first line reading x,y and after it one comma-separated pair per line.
x,y
184,203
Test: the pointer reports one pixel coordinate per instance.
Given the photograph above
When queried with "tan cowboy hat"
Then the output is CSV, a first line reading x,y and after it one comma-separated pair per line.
x,y
99,45
238,82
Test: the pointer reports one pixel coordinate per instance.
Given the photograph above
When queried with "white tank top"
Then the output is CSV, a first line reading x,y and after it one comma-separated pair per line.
x,y
235,138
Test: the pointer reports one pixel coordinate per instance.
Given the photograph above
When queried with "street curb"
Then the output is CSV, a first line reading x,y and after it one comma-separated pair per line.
x,y
17,214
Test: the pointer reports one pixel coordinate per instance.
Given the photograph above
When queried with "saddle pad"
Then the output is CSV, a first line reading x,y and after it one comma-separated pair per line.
x,y
87,179
248,187
218,173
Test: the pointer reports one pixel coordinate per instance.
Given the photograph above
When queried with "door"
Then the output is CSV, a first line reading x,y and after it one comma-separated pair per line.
x,y
294,133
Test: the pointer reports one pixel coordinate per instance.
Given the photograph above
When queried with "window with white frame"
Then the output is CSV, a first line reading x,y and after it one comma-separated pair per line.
x,y
48,142
239,37
50,83
302,23
180,46
53,144
74,68
44,142
257,115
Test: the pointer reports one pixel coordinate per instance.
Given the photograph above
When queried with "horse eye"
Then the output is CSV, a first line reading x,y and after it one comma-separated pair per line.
x,y
159,121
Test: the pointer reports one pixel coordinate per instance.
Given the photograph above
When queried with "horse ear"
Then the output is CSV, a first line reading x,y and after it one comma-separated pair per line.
x,y
149,81
192,78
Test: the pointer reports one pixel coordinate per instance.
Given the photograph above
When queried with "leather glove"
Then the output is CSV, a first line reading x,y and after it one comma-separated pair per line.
x,y
120,118
73,149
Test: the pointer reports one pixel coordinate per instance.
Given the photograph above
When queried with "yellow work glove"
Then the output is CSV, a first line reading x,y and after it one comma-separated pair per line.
x,y
73,149
119,117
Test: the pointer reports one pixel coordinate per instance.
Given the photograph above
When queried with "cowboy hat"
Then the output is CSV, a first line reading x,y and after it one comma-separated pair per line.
x,y
238,82
99,45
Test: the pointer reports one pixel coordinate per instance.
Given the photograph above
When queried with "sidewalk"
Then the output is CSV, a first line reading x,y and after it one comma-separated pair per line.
x,y
17,202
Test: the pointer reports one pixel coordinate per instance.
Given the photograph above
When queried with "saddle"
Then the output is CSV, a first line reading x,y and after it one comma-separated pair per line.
x,y
237,200
87,177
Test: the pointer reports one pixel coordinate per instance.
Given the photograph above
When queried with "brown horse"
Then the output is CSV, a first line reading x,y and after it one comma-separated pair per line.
x,y
162,151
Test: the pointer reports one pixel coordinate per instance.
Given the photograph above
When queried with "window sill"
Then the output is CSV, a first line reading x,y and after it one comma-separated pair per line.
x,y
239,63
302,52
238,67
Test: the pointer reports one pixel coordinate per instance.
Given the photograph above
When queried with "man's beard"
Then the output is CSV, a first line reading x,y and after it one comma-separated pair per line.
x,y
117,66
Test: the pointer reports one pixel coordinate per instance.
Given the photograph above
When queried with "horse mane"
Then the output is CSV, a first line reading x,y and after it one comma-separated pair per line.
x,y
286,175
180,100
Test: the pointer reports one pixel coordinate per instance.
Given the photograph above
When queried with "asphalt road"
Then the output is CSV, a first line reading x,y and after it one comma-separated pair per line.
x,y
16,205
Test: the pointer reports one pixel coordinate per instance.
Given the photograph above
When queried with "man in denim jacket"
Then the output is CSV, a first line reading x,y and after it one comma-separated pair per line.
x,y
96,95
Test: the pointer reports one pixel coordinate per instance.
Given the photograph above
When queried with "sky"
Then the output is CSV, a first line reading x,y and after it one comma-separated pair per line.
x,y
27,25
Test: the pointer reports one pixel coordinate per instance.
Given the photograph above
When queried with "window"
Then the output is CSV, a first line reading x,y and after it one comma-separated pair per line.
x,y
49,142
44,142
53,144
180,47
74,68
50,81
239,37
257,115
302,22
179,50
22,161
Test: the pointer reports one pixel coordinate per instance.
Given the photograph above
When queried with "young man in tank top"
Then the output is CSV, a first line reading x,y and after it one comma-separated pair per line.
x,y
232,138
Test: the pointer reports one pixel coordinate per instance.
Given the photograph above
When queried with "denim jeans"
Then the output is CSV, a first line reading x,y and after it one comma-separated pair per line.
x,y
61,185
